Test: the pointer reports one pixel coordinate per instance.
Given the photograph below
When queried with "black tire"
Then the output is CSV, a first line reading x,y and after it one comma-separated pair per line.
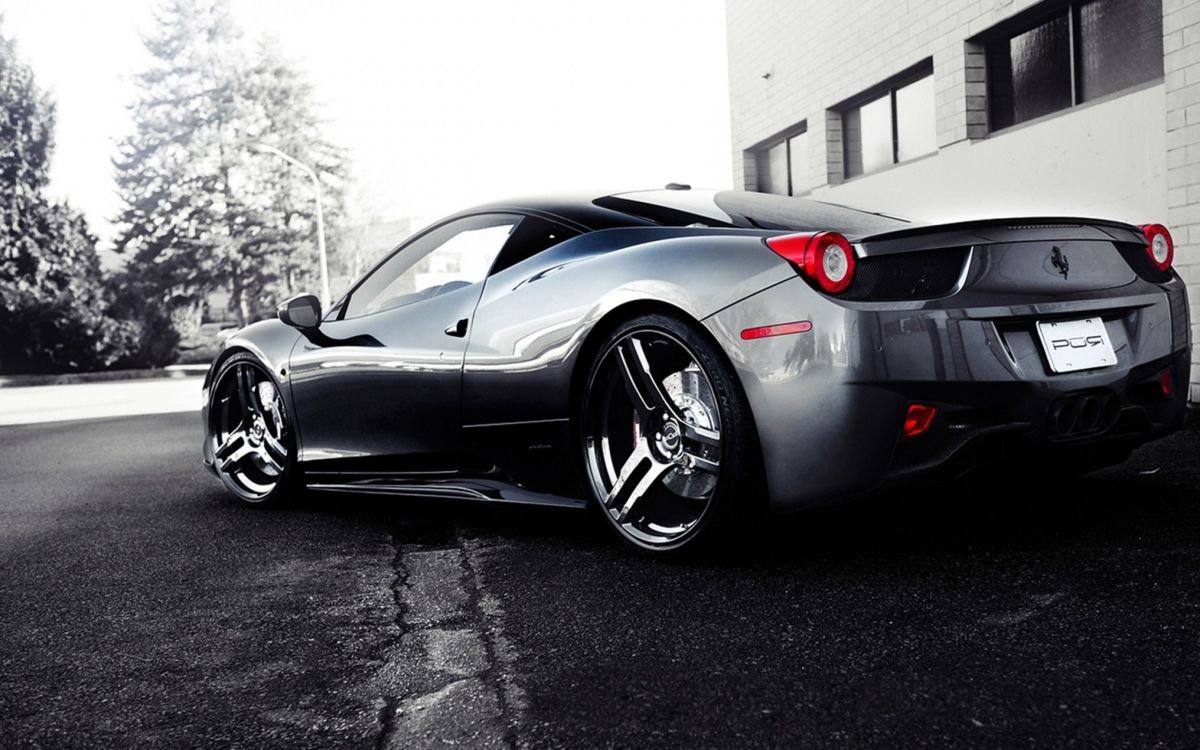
x,y
267,474
702,396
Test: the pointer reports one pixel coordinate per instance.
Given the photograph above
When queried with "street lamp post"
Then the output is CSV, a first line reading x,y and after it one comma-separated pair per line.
x,y
312,175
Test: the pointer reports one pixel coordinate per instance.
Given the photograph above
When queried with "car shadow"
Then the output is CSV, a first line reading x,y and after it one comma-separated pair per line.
x,y
990,514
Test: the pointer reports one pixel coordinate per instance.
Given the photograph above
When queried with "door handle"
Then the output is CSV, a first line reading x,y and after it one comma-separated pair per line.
x,y
458,330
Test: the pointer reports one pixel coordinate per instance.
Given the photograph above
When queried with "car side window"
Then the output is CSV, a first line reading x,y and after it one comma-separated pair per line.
x,y
449,257
531,237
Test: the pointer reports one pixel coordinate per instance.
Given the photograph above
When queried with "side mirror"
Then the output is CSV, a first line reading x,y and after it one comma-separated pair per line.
x,y
303,312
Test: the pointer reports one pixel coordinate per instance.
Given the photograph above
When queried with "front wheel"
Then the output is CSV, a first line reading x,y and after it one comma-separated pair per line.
x,y
250,433
668,442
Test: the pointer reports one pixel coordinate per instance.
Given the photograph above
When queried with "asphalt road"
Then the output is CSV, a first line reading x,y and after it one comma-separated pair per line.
x,y
139,607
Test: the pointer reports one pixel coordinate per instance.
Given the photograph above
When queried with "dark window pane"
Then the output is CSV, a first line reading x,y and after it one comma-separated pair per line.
x,y
1041,63
532,236
801,214
852,142
1030,74
1000,86
671,208
798,163
916,123
867,131
772,166
1120,45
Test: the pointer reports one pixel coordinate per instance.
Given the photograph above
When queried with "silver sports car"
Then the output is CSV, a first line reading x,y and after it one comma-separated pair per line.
x,y
674,357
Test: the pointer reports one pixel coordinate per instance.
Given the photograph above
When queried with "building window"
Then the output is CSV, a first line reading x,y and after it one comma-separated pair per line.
x,y
1061,54
891,123
781,162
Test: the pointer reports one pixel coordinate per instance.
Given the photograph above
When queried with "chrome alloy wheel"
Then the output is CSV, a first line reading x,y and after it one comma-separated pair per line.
x,y
249,431
652,436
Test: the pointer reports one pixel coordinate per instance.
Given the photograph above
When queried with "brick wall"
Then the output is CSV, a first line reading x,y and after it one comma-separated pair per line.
x,y
791,60
1181,65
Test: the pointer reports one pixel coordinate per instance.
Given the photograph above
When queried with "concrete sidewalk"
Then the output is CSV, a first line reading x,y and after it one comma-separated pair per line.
x,y
57,403
102,376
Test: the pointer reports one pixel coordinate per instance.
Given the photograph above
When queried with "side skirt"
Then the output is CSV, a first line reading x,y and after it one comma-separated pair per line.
x,y
457,489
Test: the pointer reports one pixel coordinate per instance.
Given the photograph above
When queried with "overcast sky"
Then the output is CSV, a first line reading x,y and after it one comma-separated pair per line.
x,y
443,103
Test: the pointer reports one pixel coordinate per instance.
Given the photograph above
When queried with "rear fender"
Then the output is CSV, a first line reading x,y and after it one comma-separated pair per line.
x,y
534,319
823,435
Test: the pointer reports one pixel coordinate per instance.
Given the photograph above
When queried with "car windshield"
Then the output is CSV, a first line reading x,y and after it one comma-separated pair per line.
x,y
735,208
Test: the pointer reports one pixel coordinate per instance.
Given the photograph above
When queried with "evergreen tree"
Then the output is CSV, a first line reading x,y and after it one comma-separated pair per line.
x,y
204,210
285,118
26,139
53,303
174,171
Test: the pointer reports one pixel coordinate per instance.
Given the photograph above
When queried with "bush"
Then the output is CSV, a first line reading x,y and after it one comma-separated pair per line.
x,y
154,341
57,334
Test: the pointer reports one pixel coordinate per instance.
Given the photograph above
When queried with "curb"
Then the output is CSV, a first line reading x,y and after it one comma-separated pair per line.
x,y
72,378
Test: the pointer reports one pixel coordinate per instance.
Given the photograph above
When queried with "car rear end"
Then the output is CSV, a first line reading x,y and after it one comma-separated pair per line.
x,y
931,350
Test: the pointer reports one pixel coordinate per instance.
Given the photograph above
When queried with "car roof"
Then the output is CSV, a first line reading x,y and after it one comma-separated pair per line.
x,y
579,208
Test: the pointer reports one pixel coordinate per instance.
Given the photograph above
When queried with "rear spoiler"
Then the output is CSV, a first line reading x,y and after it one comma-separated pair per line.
x,y
998,231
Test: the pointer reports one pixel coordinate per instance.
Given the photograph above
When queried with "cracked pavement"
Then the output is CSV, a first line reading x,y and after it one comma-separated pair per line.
x,y
139,607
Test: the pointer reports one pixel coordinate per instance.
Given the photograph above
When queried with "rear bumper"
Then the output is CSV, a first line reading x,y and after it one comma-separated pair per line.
x,y
829,405
1088,428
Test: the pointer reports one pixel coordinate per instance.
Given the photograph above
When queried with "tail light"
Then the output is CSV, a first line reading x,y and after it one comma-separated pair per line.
x,y
825,258
1166,383
1159,245
918,419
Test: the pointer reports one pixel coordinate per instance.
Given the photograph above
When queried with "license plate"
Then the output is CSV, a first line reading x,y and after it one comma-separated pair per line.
x,y
1073,345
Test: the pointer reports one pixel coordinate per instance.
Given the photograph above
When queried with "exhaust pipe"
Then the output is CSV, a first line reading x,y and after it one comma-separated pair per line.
x,y
1083,413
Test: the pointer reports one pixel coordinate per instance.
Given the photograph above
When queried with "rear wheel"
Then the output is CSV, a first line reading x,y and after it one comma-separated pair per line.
x,y
252,440
668,444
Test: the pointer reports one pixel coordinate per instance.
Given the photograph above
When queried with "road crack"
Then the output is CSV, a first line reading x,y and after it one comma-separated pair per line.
x,y
500,655
449,673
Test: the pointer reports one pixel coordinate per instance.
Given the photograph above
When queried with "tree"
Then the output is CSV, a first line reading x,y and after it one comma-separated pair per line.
x,y
53,303
204,211
174,171
285,117
26,139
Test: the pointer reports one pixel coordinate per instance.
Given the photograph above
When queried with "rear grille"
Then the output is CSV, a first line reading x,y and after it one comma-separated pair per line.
x,y
925,274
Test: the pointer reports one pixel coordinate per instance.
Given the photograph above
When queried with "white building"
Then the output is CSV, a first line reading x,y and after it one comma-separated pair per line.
x,y
945,109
